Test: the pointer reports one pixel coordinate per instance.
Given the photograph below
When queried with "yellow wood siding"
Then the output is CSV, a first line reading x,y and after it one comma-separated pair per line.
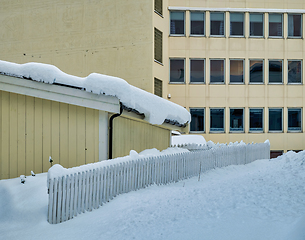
x,y
32,129
137,135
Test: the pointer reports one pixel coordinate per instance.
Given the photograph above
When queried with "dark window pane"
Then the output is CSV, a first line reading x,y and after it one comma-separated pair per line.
x,y
294,71
217,71
158,45
158,6
275,120
236,24
275,71
275,25
236,71
177,70
217,120
256,119
275,153
197,23
256,25
294,25
294,119
197,120
236,120
256,71
217,24
177,23
197,71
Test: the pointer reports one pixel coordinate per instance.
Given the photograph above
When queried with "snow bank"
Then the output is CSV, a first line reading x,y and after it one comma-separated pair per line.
x,y
188,139
155,109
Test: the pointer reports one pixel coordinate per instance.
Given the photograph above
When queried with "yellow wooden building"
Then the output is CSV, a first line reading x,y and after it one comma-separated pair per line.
x,y
39,120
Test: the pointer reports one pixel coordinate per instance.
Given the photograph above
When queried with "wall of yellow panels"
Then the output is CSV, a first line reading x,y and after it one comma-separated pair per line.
x,y
137,135
32,129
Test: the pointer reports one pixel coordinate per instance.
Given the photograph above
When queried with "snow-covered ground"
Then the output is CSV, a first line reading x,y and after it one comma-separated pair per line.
x,y
264,200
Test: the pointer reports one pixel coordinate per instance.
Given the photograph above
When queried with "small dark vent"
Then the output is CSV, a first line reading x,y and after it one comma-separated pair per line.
x,y
158,6
158,87
158,45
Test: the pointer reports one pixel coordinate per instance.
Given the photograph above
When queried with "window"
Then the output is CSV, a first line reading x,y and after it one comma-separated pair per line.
x,y
275,25
176,70
294,71
236,120
217,71
256,71
236,71
158,45
217,24
256,119
237,24
177,23
197,120
217,120
275,71
276,119
295,119
197,71
197,23
158,7
256,25
275,153
295,25
158,87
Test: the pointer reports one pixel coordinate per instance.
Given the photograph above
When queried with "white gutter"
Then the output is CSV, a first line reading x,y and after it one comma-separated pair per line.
x,y
255,10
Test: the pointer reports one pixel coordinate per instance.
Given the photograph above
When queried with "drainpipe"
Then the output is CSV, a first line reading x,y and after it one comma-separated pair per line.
x,y
111,129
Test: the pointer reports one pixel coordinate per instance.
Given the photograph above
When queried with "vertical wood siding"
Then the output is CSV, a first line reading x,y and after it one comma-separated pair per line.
x,y
32,129
137,135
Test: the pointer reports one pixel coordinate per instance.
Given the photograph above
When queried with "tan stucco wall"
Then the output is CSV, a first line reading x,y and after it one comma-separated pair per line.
x,y
81,37
33,129
243,95
135,134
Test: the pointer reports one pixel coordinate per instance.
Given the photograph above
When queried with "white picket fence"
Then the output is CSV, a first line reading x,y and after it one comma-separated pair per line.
x,y
76,190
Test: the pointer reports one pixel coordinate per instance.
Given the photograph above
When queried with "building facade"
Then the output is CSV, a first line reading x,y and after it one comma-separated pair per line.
x,y
236,65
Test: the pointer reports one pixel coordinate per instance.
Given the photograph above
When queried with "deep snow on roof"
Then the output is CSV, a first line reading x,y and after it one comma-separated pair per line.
x,y
155,109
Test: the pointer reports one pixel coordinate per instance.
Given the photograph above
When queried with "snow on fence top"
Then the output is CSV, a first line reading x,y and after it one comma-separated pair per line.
x,y
156,110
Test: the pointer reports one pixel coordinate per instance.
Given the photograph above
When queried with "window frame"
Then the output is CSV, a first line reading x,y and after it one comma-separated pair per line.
x,y
204,120
258,83
224,121
224,25
237,83
282,22
295,60
282,117
170,71
237,36
263,125
156,30
295,37
170,22
224,71
263,36
243,120
204,73
301,113
275,83
204,24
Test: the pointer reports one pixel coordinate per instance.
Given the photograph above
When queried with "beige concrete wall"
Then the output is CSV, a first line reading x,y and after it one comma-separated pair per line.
x,y
135,134
81,37
33,129
243,95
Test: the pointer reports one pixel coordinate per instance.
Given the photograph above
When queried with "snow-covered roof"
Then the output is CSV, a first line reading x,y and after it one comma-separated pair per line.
x,y
155,109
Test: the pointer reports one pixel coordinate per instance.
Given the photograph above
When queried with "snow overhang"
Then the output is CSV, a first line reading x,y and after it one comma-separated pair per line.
x,y
155,110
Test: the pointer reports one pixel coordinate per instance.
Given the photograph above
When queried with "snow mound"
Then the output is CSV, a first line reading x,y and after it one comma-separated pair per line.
x,y
155,109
